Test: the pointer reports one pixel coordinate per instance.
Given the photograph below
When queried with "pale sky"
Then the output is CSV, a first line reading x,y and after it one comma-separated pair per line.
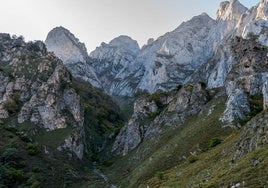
x,y
96,21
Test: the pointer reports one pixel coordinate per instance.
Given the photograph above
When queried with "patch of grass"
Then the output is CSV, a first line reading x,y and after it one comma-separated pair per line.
x,y
215,168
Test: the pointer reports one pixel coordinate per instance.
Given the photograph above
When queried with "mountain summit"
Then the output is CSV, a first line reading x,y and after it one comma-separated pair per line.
x,y
73,53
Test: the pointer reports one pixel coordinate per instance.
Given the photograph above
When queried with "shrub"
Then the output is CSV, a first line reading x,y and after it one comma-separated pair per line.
x,y
14,174
214,142
159,175
107,163
192,159
12,107
10,128
32,149
156,97
33,182
10,154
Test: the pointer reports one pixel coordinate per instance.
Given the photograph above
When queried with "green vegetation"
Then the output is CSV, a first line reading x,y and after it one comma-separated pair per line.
x,y
14,104
103,120
32,149
214,142
214,169
170,148
192,159
256,104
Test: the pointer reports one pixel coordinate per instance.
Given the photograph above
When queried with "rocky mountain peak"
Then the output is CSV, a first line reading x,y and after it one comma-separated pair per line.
x,y
73,53
230,10
121,45
262,10
199,20
66,46
125,41
112,63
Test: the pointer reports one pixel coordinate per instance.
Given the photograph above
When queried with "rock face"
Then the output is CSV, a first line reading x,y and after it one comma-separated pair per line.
x,y
73,53
176,55
114,67
254,136
161,64
246,79
153,114
226,52
36,86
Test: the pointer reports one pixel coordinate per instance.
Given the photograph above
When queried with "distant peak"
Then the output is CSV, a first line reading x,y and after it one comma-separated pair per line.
x,y
122,39
204,14
59,29
262,10
230,10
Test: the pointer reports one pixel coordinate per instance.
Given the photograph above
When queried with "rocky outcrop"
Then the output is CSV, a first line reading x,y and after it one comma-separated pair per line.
x,y
35,87
265,94
73,53
114,67
247,77
153,115
254,136
132,133
254,22
176,55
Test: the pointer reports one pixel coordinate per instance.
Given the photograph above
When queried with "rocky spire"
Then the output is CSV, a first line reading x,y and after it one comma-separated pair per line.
x,y
66,46
232,10
73,53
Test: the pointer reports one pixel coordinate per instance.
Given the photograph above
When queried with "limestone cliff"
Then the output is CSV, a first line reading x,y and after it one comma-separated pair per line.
x,y
37,86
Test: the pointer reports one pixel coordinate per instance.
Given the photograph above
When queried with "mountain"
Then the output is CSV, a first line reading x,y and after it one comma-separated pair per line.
x,y
47,117
73,53
114,67
191,112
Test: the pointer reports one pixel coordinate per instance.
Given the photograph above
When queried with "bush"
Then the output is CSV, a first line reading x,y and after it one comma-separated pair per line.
x,y
12,107
10,154
156,97
214,142
14,174
32,149
159,175
192,159
10,128
33,182
107,163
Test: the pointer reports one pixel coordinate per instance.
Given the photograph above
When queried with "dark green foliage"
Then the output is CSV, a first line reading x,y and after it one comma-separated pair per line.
x,y
107,162
214,142
13,105
10,128
32,149
103,118
14,174
156,97
159,175
256,104
192,159
10,154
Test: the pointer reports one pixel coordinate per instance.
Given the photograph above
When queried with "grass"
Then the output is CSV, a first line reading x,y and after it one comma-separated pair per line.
x,y
217,167
171,148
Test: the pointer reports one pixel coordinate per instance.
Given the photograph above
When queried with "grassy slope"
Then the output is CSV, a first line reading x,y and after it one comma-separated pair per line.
x,y
169,149
215,169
